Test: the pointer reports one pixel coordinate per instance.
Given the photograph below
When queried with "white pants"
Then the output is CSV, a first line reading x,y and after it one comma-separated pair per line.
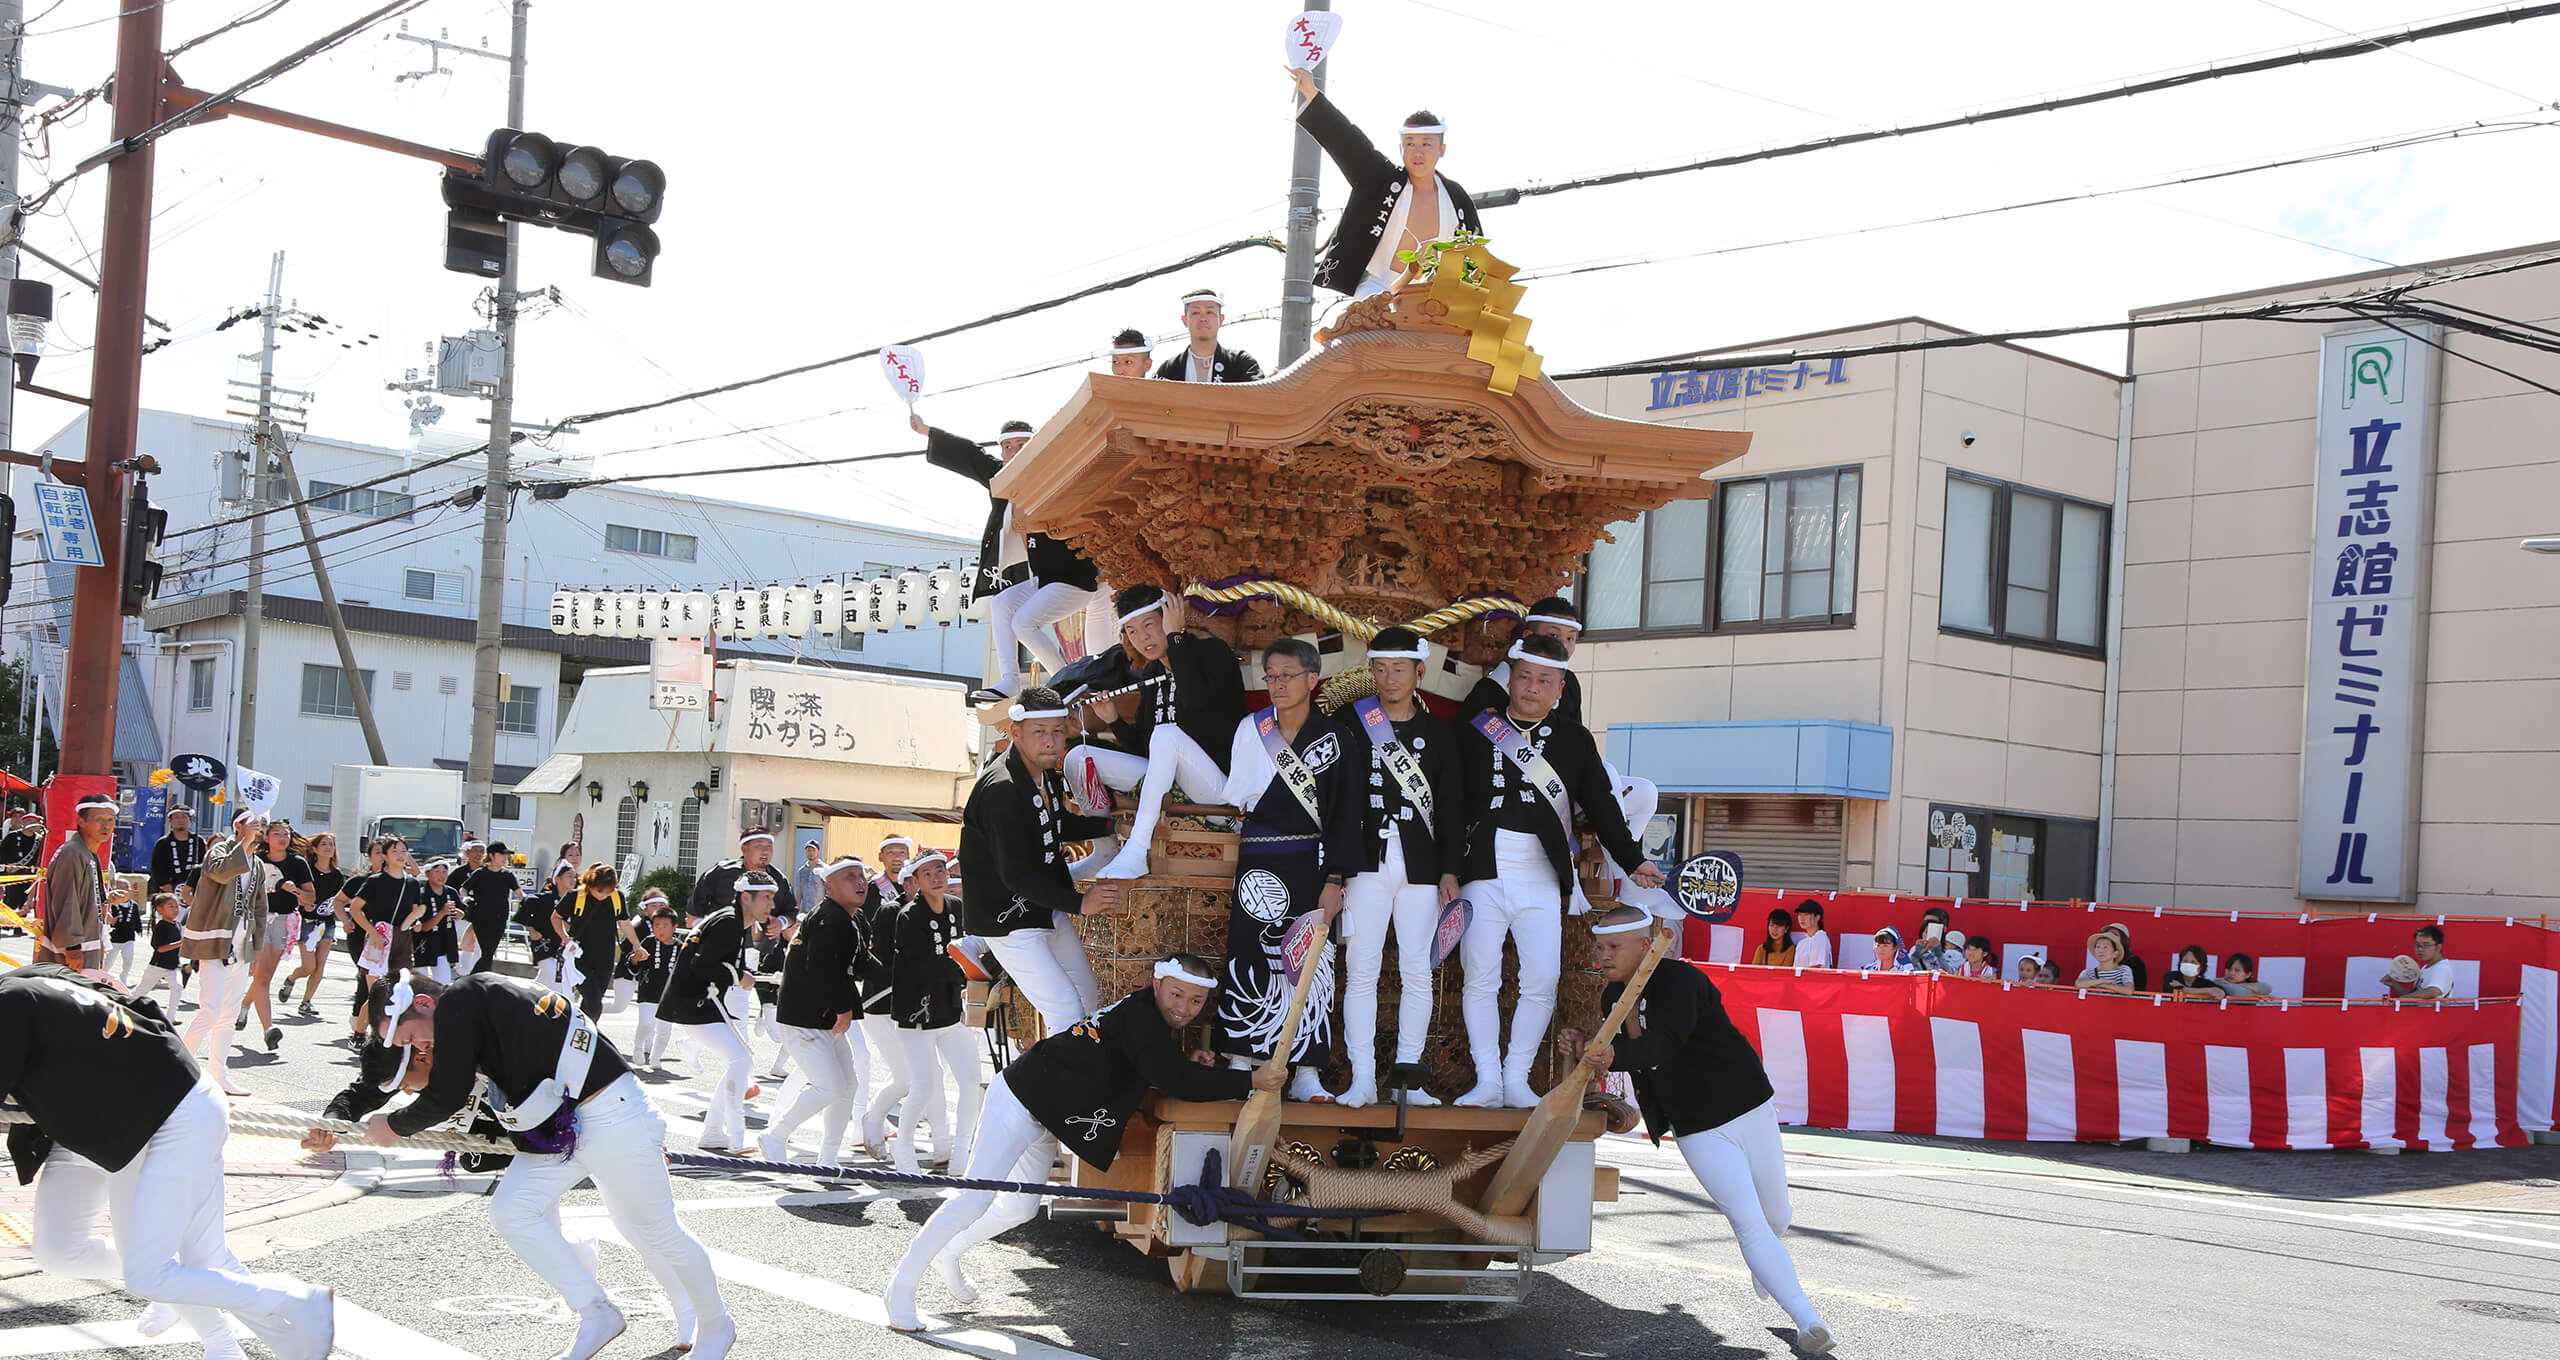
x,y
724,1124
1048,966
928,1053
1370,904
829,1084
1172,757
619,995
547,972
1022,612
1744,1168
621,1146
120,961
442,971
153,978
1522,902
891,1094
1011,1145
773,1029
220,988
649,1041
165,1208
1101,621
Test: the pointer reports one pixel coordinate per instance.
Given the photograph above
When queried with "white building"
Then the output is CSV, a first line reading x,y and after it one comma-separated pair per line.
x,y
405,563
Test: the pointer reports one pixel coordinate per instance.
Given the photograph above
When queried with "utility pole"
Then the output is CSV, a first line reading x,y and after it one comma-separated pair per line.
x,y
489,636
253,613
13,53
94,665
1298,274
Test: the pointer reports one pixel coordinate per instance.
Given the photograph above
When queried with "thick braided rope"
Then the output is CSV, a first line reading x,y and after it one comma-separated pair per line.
x,y
296,1125
1350,625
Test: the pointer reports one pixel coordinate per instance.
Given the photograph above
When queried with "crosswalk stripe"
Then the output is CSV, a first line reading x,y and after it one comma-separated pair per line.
x,y
829,1297
85,1336
363,1332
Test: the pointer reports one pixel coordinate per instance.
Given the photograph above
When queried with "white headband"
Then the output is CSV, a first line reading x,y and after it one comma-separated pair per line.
x,y
843,863
1518,653
1624,927
752,837
1145,609
1133,349
919,862
1410,128
1204,295
87,803
907,841
1169,969
1421,652
1015,434
1020,714
1574,624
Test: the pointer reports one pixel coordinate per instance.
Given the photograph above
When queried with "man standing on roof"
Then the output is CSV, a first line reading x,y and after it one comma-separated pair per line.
x,y
1384,215
1029,580
1204,311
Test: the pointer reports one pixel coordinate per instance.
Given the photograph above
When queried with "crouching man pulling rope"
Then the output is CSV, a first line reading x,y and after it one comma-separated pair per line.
x,y
1078,1088
125,1123
572,1107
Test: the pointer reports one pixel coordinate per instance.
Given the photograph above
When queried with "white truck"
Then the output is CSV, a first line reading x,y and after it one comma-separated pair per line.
x,y
420,805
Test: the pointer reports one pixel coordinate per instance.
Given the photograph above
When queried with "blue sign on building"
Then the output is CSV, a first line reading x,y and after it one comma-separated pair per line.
x,y
1692,386
70,536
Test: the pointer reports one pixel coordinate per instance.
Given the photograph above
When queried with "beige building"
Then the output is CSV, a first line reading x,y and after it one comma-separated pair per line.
x,y
1978,621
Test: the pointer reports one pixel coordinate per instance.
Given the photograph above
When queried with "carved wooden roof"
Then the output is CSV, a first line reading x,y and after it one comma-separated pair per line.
x,y
1379,472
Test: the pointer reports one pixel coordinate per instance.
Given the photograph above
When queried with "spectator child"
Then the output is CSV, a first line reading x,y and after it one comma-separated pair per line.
x,y
2240,978
2048,974
1890,956
1978,960
2108,973
1814,950
2031,970
1776,949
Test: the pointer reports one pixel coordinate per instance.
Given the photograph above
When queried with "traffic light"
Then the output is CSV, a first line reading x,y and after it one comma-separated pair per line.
x,y
527,177
144,523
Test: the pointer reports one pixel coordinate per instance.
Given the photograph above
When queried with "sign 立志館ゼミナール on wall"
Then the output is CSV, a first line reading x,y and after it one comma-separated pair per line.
x,y
2371,500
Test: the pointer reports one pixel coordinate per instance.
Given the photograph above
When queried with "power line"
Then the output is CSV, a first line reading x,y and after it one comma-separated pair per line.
x,y
2423,61
247,515
1202,257
2196,75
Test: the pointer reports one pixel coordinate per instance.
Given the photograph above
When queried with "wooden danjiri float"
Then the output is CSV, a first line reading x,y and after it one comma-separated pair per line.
x,y
1414,468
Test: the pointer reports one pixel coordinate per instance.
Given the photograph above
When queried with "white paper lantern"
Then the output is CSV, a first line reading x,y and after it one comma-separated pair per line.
x,y
826,608
693,614
599,608
797,602
728,612
879,604
911,602
943,588
560,611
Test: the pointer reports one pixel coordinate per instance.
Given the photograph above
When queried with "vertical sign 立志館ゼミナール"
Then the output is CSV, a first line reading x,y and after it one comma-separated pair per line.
x,y
2367,656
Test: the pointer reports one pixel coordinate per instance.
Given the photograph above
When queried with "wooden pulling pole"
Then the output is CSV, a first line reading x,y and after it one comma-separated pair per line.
x,y
1249,1148
1543,1136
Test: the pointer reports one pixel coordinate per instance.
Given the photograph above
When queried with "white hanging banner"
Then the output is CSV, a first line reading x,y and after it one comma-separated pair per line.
x,y
903,366
1311,36
2368,640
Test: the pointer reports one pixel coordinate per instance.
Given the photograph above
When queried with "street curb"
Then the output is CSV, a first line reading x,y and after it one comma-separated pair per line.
x,y
353,1183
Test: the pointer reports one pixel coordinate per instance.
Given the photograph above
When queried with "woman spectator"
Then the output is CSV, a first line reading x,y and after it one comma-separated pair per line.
x,y
1777,948
282,930
437,945
1814,950
2124,944
1980,962
2108,973
538,912
1890,956
2189,975
592,919
2240,979
319,921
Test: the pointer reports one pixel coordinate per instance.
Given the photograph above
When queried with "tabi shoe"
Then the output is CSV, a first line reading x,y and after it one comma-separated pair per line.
x,y
1420,1099
157,1318
773,1148
1517,1095
1308,1085
304,1329
955,1281
224,1348
990,694
714,1339
597,1327
1814,1340
1363,1090
1487,1095
1130,863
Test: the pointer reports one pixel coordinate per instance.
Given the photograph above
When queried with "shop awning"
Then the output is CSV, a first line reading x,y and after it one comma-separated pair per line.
x,y
876,811
558,774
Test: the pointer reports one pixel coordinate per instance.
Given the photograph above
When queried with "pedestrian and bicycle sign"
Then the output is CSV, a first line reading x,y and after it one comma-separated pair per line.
x,y
70,535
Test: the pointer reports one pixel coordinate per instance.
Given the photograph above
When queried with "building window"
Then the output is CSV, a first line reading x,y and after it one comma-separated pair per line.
x,y
515,712
325,693
626,827
200,685
648,542
2004,856
688,835
315,805
361,500
1788,552
440,587
2023,566
1767,552
506,807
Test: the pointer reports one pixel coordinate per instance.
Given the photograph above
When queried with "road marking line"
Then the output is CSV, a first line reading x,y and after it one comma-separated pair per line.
x,y
830,1297
86,1336
363,1332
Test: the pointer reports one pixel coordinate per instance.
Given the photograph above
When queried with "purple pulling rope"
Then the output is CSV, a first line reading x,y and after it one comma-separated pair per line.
x,y
1209,1201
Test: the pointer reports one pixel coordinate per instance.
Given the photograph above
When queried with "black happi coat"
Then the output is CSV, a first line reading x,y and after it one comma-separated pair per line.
x,y
1225,366
1493,694
509,1029
818,969
1693,1069
174,861
931,990
655,963
1377,180
1429,851
1011,857
717,890
710,963
1083,1083
1051,561
1204,697
97,1069
1495,807
876,968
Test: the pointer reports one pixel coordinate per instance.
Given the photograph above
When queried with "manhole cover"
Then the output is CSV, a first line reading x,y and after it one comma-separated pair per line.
x,y
2503,1311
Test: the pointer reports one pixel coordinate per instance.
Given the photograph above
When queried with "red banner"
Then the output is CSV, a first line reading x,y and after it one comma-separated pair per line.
x,y
2298,956
1933,1054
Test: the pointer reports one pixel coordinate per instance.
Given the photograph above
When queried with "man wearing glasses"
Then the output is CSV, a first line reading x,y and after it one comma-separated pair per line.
x,y
1301,828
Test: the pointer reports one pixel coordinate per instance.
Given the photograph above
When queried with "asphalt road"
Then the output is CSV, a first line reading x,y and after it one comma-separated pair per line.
x,y
1910,1248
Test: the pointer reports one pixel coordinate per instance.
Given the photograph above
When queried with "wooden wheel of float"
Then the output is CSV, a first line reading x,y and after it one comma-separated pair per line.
x,y
1194,1273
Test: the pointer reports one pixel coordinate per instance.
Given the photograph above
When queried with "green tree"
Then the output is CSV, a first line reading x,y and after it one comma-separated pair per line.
x,y
16,725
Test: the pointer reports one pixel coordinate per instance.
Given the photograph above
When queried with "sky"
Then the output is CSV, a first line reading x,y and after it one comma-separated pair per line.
x,y
842,176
